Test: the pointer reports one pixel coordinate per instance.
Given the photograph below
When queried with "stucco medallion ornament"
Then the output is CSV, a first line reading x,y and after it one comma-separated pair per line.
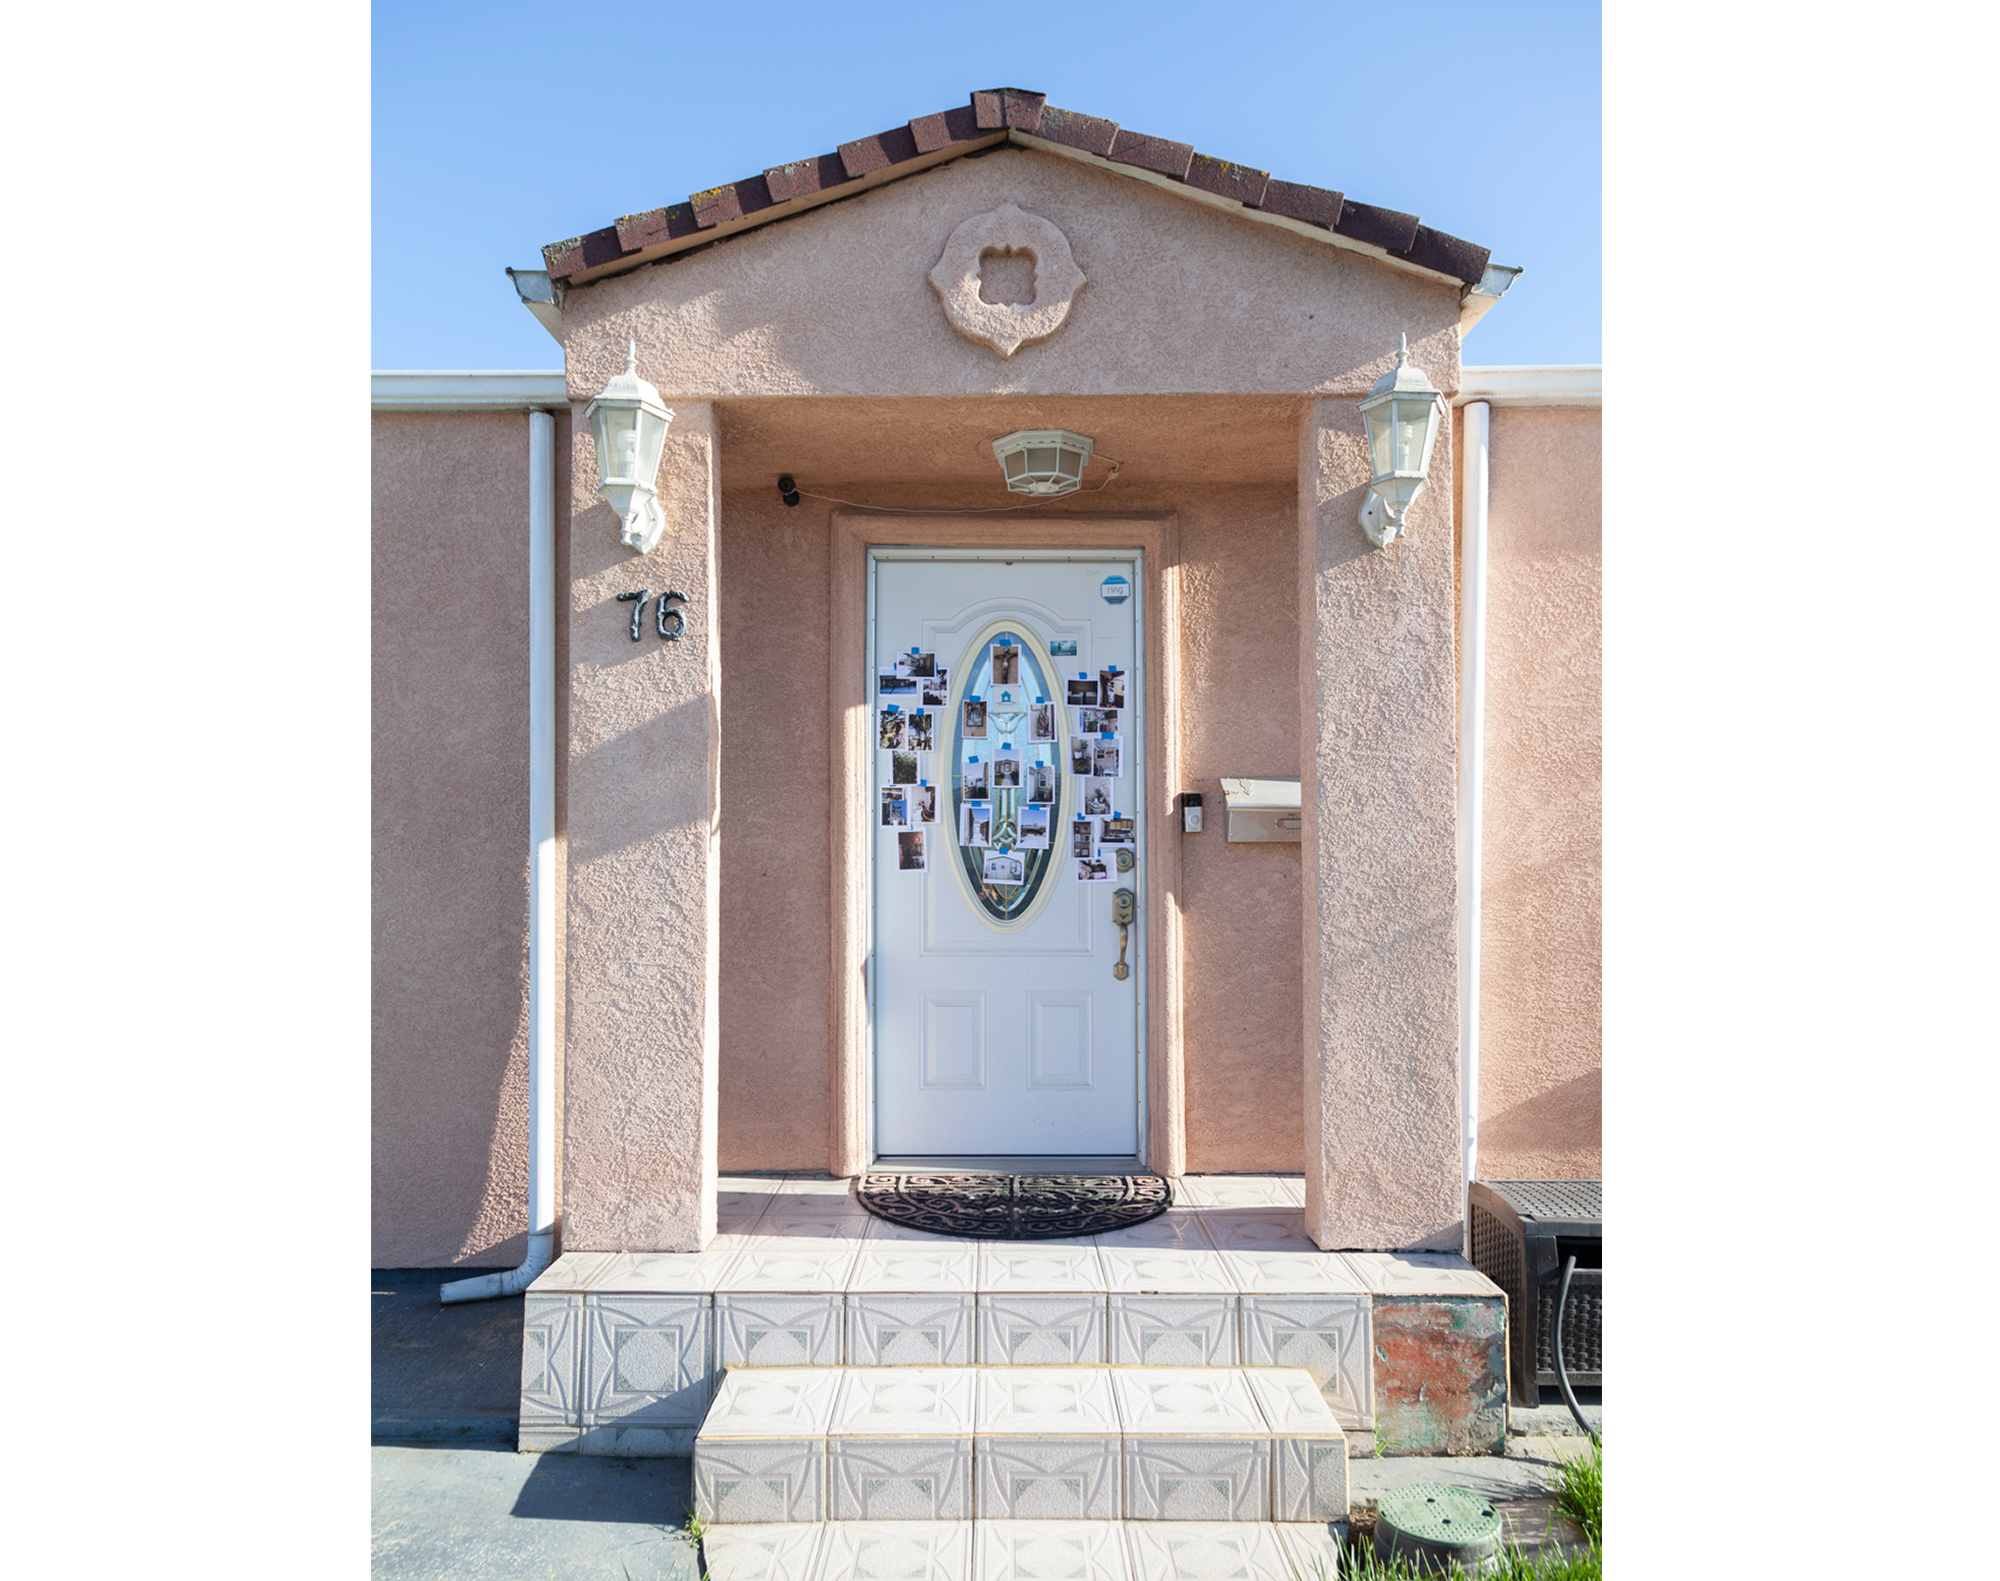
x,y
1007,326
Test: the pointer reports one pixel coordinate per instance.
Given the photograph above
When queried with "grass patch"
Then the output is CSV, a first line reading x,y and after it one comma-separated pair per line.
x,y
1362,1564
1579,1489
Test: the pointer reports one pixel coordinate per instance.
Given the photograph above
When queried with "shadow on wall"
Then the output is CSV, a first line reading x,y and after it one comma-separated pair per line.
x,y
1557,1130
641,778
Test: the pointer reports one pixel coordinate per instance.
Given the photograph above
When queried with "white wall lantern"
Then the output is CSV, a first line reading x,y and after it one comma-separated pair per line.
x,y
1043,461
1401,416
630,427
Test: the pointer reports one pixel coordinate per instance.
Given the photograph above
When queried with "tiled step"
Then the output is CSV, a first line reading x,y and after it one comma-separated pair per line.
x,y
1025,1551
623,1350
796,1444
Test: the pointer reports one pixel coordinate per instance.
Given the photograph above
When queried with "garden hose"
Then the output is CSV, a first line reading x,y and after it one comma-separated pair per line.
x,y
1562,1372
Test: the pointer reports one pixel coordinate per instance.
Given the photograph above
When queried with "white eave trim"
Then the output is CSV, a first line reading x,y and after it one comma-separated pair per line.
x,y
1560,384
441,391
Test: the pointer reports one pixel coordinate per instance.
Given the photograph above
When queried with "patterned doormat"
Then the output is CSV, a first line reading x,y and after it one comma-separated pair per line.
x,y
1016,1207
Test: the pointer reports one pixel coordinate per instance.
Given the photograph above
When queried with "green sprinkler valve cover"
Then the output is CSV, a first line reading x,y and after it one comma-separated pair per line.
x,y
1434,1527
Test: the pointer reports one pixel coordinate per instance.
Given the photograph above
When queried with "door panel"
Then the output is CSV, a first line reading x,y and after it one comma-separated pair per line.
x,y
999,1025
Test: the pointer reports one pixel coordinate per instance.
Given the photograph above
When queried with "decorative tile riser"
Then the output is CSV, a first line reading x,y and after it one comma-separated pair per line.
x,y
1019,1550
634,1374
1005,1443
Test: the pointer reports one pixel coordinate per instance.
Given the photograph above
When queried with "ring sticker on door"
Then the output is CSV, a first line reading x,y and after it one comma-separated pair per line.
x,y
1114,590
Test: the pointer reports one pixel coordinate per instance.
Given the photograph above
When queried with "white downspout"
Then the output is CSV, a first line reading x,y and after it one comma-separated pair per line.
x,y
541,877
1471,774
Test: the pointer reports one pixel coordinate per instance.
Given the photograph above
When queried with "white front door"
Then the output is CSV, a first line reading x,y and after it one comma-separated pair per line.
x,y
1006,996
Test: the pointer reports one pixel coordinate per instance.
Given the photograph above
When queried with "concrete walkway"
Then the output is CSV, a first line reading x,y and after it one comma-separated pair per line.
x,y
484,1513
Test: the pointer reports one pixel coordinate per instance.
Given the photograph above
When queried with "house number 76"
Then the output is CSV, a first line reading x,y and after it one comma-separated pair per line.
x,y
668,622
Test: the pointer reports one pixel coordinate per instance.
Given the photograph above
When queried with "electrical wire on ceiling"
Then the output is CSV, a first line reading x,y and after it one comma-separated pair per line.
x,y
791,494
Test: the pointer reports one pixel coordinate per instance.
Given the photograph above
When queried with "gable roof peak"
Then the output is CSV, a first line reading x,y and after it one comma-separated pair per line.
x,y
1024,117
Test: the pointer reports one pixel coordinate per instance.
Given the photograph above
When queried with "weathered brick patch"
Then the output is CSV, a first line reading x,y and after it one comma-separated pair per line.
x,y
1440,1375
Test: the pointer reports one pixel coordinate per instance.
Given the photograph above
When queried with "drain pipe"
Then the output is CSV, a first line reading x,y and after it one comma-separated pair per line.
x,y
541,878
1471,773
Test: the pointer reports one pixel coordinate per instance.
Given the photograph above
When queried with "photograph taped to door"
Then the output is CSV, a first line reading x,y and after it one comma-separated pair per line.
x,y
1033,824
975,825
1007,769
1093,870
1107,758
1097,800
1006,662
1042,722
1110,688
1080,692
1042,783
1083,837
936,692
891,729
1081,757
912,851
889,684
902,768
923,800
973,781
922,732
975,719
895,809
1004,870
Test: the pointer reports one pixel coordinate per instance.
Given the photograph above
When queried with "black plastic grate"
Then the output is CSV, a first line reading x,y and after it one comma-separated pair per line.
x,y
1583,1330
1551,1199
1496,1254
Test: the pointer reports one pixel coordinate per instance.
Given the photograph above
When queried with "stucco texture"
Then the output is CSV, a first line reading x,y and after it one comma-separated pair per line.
x,y
449,790
1378,728
1239,716
1540,1001
1179,298
641,941
1192,354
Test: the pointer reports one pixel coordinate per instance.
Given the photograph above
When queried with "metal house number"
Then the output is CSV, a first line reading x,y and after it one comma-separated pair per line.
x,y
670,623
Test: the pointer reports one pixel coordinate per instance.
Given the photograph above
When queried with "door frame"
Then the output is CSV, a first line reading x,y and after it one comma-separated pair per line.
x,y
851,765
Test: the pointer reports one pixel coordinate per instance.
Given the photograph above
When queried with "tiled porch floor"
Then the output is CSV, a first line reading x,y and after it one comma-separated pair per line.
x,y
622,1350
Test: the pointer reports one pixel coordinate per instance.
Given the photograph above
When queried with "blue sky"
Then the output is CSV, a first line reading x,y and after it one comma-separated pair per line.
x,y
497,128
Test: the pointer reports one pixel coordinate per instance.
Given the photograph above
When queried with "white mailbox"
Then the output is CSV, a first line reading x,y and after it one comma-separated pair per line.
x,y
1263,809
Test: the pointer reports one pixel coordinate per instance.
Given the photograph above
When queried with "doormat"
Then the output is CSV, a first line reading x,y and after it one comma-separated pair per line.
x,y
1016,1207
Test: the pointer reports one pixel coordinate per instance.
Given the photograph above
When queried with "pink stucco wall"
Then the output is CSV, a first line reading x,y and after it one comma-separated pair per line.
x,y
1540,1003
450,819
1239,715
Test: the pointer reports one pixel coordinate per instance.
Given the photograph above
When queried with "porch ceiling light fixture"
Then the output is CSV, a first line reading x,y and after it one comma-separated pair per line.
x,y
1044,461
630,427
1401,416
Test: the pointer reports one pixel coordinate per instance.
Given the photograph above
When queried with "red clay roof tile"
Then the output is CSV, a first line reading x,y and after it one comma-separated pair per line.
x,y
1020,108
720,204
656,225
868,154
803,177
1153,153
1225,180
997,110
1384,227
1087,132
933,132
1296,201
1448,255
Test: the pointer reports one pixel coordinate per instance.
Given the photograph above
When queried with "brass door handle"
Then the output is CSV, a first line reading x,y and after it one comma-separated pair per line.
x,y
1121,914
